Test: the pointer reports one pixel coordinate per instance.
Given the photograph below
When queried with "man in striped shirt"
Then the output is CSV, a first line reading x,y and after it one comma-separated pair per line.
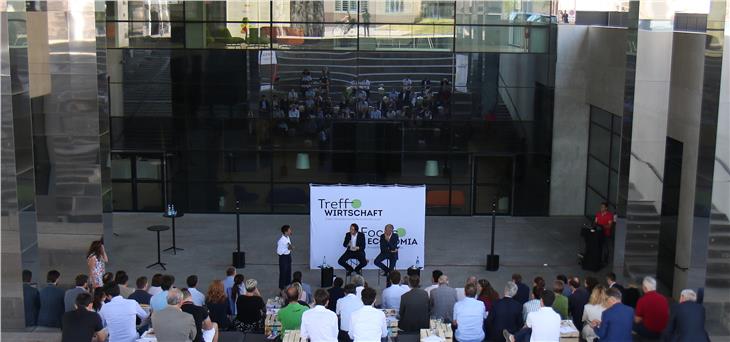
x,y
532,305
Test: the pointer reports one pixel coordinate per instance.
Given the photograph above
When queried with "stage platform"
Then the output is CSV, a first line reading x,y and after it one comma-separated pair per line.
x,y
458,246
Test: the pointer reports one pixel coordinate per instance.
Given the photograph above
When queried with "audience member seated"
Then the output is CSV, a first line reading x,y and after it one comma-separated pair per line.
x,y
469,315
155,284
414,312
302,294
121,279
99,298
197,296
120,316
460,291
345,307
52,305
140,295
687,320
297,278
391,295
171,324
487,294
31,299
69,298
230,278
652,311
611,282
82,324
506,314
616,321
534,304
435,281
319,323
217,303
251,309
367,323
205,329
359,282
631,294
542,325
560,304
567,290
592,312
235,291
335,292
577,301
442,300
290,315
523,292
159,301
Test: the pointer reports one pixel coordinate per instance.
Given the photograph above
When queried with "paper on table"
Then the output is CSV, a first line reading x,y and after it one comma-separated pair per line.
x,y
567,330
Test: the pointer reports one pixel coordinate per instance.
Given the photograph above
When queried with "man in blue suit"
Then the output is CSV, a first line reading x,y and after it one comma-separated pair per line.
x,y
52,305
506,314
687,320
388,249
616,321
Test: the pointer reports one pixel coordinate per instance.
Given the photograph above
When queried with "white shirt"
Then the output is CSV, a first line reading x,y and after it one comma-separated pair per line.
x,y
319,324
460,295
153,290
391,296
469,314
345,307
545,324
428,289
367,324
353,241
358,291
282,246
119,318
592,312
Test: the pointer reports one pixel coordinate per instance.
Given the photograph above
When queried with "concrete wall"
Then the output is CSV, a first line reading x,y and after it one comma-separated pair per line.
x,y
607,68
570,122
590,70
685,102
651,105
721,188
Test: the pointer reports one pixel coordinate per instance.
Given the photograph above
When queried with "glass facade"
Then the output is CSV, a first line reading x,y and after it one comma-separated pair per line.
x,y
454,97
604,146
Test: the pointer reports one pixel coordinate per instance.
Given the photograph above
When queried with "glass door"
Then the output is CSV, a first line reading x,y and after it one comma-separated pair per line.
x,y
493,183
137,182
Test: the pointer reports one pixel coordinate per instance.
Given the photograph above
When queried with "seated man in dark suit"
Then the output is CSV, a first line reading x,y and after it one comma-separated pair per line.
x,y
414,308
506,314
31,299
52,305
687,320
336,292
611,281
388,249
355,249
616,321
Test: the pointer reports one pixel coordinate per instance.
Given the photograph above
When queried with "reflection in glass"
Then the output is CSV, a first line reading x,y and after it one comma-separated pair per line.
x,y
149,197
122,196
121,167
149,168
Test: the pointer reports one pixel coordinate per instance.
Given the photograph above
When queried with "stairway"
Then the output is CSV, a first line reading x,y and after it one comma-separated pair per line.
x,y
642,236
718,251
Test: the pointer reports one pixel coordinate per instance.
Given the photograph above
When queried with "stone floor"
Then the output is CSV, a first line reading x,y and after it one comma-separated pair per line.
x,y
456,245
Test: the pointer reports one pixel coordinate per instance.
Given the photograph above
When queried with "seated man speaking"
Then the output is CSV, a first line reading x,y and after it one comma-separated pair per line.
x,y
388,250
355,249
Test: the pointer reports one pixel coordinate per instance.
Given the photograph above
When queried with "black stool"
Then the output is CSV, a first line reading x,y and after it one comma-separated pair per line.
x,y
158,229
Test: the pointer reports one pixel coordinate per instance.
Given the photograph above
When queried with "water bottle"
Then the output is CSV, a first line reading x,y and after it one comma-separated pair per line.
x,y
174,211
324,261
169,210
418,262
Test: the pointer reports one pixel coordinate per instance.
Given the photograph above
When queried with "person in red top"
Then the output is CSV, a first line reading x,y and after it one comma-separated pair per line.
x,y
604,218
652,311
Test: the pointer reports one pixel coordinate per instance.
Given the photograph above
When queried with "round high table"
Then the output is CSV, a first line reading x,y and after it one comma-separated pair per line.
x,y
158,229
172,217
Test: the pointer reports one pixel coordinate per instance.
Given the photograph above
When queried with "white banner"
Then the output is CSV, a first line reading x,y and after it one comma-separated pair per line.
x,y
334,207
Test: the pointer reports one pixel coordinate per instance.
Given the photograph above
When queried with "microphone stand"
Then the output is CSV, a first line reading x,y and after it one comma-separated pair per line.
x,y
493,259
239,258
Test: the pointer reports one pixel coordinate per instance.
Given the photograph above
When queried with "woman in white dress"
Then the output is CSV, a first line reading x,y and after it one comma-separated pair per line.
x,y
592,311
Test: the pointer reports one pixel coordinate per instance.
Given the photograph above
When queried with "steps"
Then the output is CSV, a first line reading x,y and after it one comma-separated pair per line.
x,y
642,236
718,251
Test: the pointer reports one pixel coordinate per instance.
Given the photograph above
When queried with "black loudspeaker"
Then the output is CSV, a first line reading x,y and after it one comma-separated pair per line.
x,y
414,271
239,259
328,273
492,262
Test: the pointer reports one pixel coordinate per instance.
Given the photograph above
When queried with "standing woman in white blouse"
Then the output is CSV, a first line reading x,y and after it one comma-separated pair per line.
x,y
96,259
592,311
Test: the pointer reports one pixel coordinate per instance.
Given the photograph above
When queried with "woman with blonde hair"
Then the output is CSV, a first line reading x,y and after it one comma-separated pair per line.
x,y
251,309
217,302
592,311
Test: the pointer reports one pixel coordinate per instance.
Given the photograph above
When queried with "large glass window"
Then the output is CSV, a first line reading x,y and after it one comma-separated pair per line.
x,y
603,156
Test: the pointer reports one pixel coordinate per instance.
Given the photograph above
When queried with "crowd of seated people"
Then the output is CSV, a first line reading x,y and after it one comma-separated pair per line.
x,y
600,311
313,101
